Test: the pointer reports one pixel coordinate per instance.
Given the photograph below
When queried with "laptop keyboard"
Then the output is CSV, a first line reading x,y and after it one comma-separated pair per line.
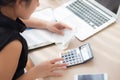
x,y
87,13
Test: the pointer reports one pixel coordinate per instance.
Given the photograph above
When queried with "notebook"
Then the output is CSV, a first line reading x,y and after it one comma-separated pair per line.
x,y
88,17
37,38
91,77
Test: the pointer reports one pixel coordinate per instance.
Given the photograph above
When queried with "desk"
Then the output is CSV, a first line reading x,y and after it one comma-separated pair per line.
x,y
105,46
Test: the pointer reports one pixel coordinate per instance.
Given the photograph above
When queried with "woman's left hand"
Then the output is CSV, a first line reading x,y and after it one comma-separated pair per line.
x,y
57,27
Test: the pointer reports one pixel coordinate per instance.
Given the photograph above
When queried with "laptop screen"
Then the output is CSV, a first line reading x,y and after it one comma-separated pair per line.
x,y
112,5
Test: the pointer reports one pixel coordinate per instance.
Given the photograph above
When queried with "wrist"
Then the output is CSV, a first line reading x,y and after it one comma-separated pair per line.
x,y
47,25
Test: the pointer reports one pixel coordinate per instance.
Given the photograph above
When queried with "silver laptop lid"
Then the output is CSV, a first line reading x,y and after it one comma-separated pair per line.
x,y
112,5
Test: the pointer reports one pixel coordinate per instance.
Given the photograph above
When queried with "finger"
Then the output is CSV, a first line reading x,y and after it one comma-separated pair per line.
x,y
55,74
58,31
56,60
59,65
59,68
39,79
65,26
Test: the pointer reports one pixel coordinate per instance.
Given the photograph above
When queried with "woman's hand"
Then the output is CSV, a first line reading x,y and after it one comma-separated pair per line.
x,y
49,68
57,27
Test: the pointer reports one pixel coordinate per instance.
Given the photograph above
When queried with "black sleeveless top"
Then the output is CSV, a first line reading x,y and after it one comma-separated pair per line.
x,y
9,31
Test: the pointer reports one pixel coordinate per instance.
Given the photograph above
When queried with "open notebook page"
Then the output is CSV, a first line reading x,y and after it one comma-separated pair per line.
x,y
39,37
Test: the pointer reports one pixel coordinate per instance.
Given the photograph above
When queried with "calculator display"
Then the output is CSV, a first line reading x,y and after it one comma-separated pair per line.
x,y
77,55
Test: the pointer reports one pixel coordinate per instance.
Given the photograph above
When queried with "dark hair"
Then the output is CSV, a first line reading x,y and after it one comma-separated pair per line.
x,y
12,2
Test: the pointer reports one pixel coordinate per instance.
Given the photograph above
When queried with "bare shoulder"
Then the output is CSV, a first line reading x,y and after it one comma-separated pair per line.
x,y
13,48
9,58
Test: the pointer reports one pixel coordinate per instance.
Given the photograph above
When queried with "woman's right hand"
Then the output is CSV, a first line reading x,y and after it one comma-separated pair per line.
x,y
49,68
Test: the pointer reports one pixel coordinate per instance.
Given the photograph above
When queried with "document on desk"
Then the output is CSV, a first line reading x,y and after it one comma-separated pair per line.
x,y
39,37
91,77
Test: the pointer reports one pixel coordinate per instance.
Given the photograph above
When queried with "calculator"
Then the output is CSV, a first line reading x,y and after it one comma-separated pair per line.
x,y
77,55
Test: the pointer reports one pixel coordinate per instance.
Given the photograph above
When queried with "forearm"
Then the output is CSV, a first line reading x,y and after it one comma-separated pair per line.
x,y
35,23
55,27
31,75
45,69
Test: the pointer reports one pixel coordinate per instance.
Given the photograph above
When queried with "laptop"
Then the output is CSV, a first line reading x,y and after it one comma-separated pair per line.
x,y
88,17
